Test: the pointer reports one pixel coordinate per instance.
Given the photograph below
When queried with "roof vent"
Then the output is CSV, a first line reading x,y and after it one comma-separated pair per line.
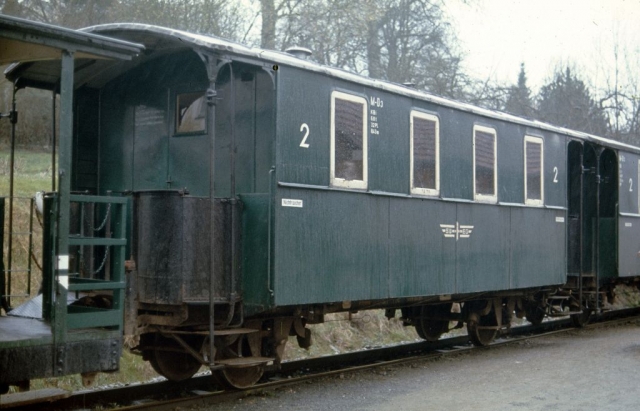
x,y
409,84
302,53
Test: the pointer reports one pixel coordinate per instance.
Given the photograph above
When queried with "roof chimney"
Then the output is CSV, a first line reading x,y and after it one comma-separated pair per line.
x,y
302,53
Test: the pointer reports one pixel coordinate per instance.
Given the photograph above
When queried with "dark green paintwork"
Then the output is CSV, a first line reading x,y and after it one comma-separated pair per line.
x,y
536,244
421,259
138,148
482,260
555,157
255,258
629,240
628,176
349,245
629,224
341,245
334,248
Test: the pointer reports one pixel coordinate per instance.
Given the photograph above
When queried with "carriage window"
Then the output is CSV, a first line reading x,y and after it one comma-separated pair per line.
x,y
425,156
348,141
484,164
191,113
533,166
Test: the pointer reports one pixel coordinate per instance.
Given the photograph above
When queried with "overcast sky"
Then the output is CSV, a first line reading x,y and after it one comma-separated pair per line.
x,y
496,35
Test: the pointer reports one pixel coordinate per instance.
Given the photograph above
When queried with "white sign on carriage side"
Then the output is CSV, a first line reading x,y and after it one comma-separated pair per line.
x,y
292,202
456,231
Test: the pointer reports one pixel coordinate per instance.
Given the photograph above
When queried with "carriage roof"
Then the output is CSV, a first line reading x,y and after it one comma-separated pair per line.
x,y
163,40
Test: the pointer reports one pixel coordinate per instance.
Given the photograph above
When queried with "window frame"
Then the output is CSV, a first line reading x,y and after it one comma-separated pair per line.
x,y
485,198
423,190
529,201
337,181
176,114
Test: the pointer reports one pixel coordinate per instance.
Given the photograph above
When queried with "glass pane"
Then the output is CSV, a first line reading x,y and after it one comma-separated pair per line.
x,y
191,113
534,171
424,153
485,160
348,140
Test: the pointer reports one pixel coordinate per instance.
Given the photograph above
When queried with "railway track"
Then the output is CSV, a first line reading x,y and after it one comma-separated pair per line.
x,y
200,391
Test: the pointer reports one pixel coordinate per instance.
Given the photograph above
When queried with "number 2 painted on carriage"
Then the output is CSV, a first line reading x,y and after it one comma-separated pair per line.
x,y
304,143
555,175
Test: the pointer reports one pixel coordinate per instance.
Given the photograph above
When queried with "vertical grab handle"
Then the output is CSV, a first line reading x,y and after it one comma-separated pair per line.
x,y
269,285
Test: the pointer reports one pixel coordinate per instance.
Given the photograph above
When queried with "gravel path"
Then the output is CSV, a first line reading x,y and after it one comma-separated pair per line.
x,y
597,369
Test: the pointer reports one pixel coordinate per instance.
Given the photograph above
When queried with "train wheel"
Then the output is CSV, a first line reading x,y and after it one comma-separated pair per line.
x,y
431,329
534,313
242,369
173,364
239,378
478,334
582,319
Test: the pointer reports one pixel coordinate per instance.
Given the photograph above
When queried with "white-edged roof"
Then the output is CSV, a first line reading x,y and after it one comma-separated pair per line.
x,y
25,40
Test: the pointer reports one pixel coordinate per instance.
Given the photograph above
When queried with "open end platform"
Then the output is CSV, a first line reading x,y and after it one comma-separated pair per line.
x,y
17,329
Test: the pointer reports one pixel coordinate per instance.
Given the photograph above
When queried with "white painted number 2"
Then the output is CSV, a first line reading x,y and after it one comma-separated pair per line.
x,y
631,185
555,174
304,127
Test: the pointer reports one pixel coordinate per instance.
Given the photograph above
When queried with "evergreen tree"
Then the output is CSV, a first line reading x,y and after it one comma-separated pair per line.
x,y
519,100
567,102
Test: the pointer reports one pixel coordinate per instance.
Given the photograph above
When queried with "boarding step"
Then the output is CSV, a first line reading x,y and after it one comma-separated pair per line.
x,y
563,313
228,331
245,362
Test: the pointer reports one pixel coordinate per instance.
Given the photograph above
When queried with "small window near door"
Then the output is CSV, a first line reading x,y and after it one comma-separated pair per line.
x,y
191,113
533,171
485,179
348,141
425,156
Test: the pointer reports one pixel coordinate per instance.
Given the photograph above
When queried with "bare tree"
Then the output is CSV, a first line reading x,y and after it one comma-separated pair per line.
x,y
403,41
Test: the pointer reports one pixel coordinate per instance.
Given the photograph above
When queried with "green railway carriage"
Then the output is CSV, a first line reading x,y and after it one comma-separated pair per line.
x,y
263,191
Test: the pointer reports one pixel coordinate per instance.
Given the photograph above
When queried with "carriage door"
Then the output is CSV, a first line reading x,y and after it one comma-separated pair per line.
x,y
608,215
593,202
574,196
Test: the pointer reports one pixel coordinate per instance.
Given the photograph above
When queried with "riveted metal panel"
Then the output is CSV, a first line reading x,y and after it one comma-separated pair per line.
x,y
483,258
332,248
628,176
421,259
537,247
89,353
